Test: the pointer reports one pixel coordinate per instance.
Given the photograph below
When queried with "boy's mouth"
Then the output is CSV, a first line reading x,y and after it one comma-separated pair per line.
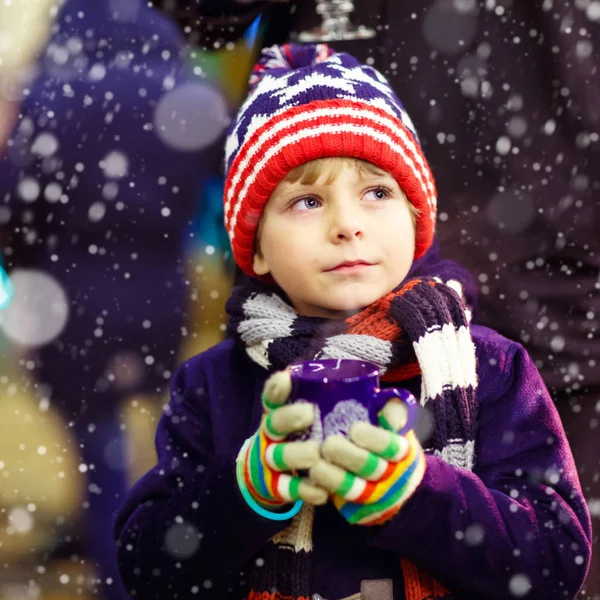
x,y
350,265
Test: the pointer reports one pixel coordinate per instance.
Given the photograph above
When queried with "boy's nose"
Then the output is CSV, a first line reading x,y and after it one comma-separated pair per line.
x,y
346,227
349,234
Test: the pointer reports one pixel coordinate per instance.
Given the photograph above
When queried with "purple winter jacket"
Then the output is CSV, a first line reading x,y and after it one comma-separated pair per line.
x,y
519,518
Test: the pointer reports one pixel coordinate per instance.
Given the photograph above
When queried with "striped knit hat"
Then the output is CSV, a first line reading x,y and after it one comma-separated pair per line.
x,y
309,102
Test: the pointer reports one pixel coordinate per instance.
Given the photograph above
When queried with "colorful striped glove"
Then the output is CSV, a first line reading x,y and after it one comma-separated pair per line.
x,y
372,474
268,461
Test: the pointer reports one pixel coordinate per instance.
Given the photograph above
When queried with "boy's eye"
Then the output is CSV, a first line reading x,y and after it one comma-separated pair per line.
x,y
305,204
310,202
378,193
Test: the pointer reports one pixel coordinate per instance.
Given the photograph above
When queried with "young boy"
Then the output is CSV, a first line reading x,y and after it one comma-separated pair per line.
x,y
330,207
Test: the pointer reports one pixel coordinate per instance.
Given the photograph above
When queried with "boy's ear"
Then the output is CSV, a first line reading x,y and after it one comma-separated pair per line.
x,y
260,265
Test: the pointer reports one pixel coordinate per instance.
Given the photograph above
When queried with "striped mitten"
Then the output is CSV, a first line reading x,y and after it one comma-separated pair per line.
x,y
372,474
268,461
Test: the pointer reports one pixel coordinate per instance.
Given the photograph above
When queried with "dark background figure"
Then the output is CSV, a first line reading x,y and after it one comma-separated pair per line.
x,y
99,181
505,95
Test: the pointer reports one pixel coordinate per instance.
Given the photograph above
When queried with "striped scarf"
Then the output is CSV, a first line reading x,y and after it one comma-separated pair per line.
x,y
420,328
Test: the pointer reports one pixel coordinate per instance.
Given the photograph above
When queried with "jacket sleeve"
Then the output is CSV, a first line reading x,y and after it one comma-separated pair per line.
x,y
185,524
518,525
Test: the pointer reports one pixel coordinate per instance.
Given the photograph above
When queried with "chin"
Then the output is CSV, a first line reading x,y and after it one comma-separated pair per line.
x,y
352,305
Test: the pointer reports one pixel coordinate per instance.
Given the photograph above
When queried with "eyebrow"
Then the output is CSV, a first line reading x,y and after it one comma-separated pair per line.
x,y
362,177
376,176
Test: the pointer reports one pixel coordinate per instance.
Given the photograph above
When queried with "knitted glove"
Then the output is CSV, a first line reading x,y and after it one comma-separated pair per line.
x,y
372,474
269,461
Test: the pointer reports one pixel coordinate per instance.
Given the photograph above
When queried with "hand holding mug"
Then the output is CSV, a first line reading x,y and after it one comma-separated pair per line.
x,y
267,463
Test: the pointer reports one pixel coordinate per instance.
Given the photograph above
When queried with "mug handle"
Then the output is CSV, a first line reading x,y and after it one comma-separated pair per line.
x,y
381,397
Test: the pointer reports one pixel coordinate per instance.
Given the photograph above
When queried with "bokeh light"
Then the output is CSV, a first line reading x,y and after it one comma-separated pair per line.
x,y
182,540
510,211
450,25
38,311
191,116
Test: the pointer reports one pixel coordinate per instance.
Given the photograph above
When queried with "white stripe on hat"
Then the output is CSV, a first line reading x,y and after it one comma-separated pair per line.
x,y
281,124
344,79
332,129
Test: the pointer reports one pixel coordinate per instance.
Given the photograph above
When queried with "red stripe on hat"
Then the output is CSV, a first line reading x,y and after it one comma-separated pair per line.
x,y
338,143
389,127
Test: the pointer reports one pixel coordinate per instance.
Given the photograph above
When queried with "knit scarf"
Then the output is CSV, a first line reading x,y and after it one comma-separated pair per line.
x,y
420,328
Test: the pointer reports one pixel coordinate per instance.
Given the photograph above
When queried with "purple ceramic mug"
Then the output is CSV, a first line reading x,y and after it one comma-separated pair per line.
x,y
345,391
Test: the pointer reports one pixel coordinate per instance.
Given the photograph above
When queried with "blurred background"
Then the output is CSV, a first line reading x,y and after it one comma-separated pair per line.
x,y
115,265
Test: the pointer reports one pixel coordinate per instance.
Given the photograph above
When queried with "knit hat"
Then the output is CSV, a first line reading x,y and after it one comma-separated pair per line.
x,y
308,102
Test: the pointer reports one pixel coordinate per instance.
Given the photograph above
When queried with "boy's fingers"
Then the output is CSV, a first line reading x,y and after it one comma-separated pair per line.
x,y
337,480
288,456
292,488
387,444
393,416
342,452
288,419
311,493
276,390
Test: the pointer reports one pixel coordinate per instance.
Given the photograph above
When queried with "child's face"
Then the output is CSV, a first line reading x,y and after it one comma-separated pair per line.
x,y
308,230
